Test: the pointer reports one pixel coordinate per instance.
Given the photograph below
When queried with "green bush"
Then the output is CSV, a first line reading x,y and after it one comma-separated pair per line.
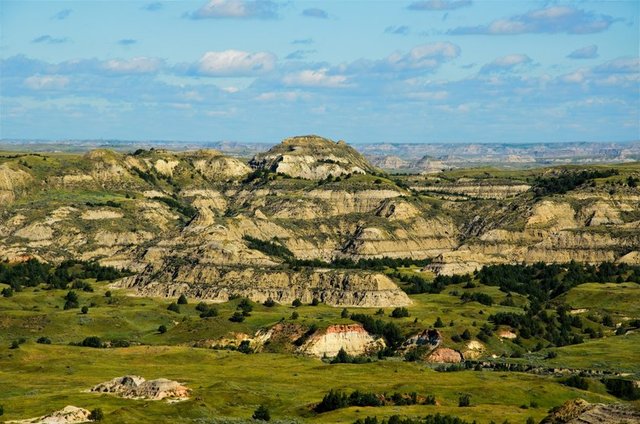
x,y
261,414
71,300
96,415
173,307
43,340
237,317
162,329
296,303
85,310
92,341
577,382
400,313
182,300
464,400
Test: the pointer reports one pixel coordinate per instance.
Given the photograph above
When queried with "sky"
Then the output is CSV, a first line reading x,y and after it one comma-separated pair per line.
x,y
363,71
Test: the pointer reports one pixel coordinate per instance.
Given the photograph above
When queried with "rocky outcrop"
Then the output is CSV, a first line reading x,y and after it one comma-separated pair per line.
x,y
67,415
335,288
12,182
312,158
136,387
445,355
353,338
427,340
579,411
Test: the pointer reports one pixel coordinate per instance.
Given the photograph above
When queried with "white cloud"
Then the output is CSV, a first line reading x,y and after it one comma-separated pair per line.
x,y
289,96
506,63
425,56
587,52
137,65
237,9
316,78
46,82
236,63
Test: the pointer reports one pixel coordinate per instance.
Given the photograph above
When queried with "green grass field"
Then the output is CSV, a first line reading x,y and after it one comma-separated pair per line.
x,y
37,379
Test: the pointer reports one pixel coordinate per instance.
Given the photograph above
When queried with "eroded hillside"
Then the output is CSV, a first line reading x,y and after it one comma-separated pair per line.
x,y
183,221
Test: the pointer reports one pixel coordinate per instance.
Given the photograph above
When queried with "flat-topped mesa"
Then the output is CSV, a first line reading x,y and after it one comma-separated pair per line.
x,y
312,158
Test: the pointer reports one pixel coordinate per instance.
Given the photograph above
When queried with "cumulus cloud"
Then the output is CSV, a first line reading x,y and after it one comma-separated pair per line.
x,y
63,14
439,4
506,63
315,13
136,65
551,20
237,9
49,40
398,30
46,82
127,41
316,78
425,56
588,52
621,65
235,63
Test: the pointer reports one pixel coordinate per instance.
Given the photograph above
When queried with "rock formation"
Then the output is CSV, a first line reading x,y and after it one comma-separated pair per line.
x,y
312,158
136,387
579,411
353,338
67,415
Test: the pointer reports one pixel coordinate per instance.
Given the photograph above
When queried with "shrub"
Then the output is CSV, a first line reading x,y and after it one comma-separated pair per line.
x,y
344,313
315,302
245,306
296,303
202,307
261,413
182,300
342,357
82,285
162,329
380,311
96,415
466,335
14,345
621,388
92,341
71,300
245,347
107,293
551,354
85,310
269,303
237,317
400,313
577,382
120,343
43,340
1,410
7,292
438,323
210,312
173,307
295,315
464,400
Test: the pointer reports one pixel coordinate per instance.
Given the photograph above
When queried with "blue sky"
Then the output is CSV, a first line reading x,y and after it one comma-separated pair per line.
x,y
363,71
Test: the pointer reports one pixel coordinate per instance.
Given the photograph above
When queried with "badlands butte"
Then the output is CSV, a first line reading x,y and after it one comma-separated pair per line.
x,y
305,269
181,221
